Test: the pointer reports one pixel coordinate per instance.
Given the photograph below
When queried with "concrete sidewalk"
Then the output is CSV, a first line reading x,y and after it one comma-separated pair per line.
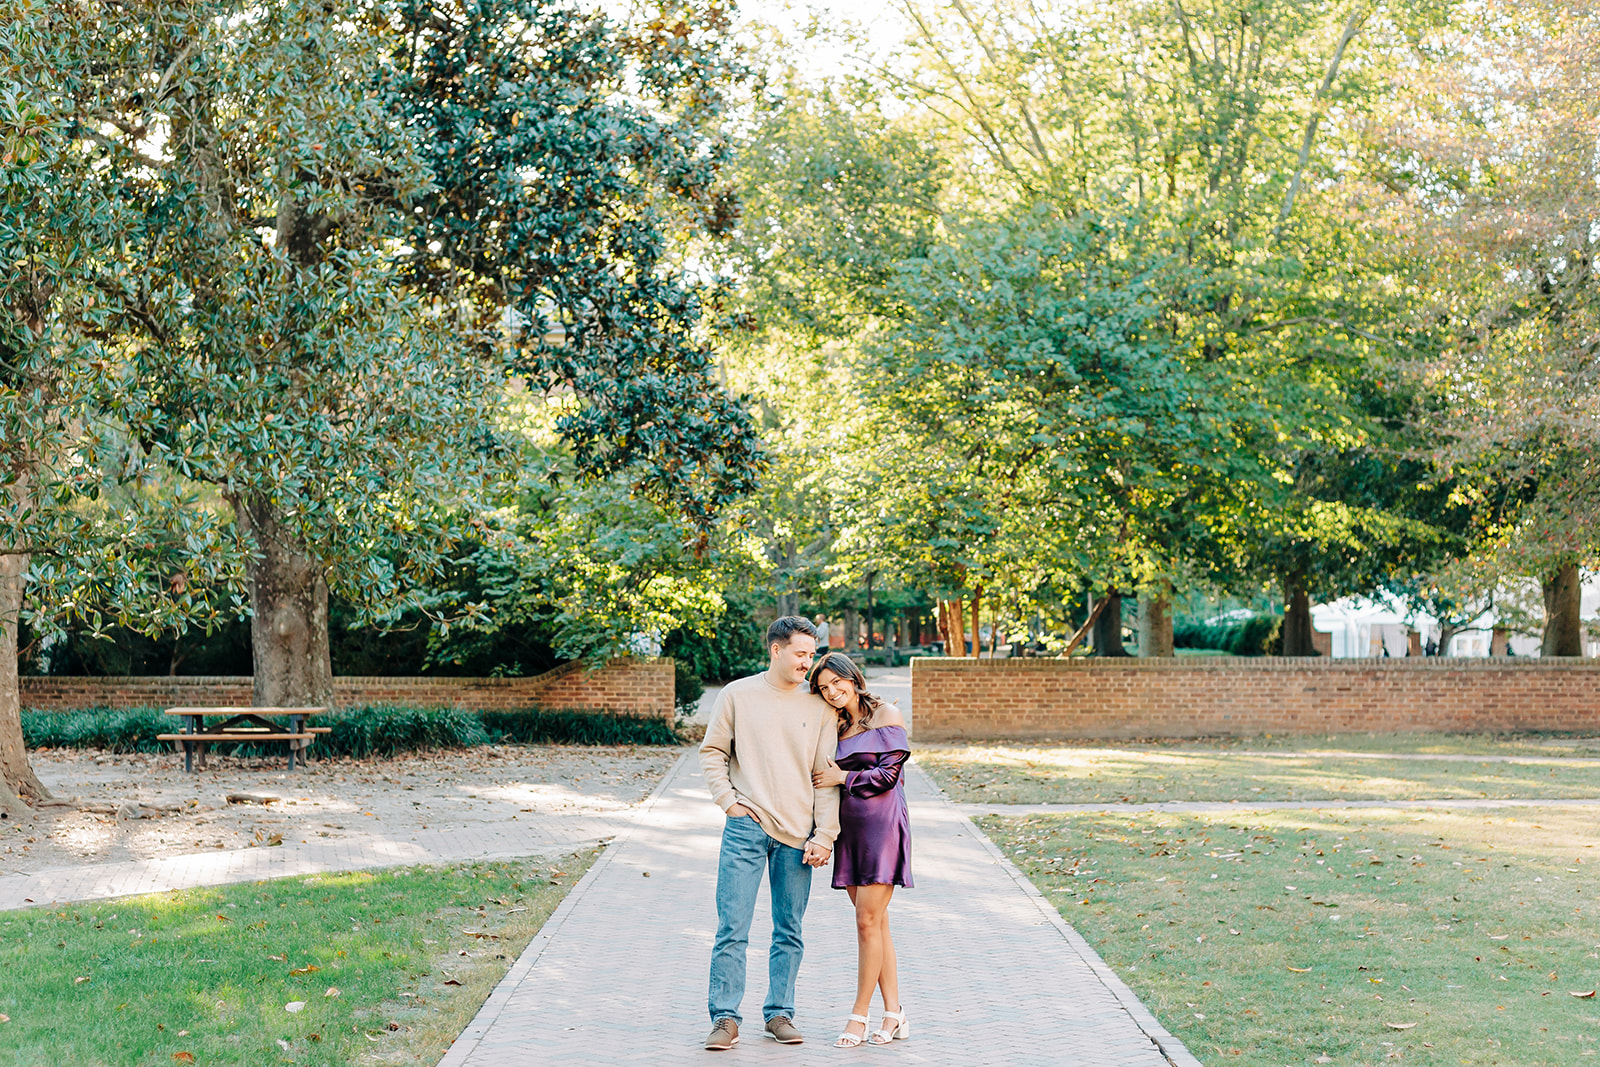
x,y
990,973
536,835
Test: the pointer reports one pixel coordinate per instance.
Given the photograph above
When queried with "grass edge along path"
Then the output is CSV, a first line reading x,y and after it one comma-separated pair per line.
x,y
386,967
1338,937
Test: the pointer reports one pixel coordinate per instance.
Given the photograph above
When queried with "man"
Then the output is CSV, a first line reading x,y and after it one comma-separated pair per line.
x,y
767,735
821,623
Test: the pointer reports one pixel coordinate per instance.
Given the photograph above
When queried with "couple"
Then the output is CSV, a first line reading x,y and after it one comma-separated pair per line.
x,y
803,762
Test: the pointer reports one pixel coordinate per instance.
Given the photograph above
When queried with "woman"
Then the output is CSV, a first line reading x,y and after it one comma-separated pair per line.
x,y
873,852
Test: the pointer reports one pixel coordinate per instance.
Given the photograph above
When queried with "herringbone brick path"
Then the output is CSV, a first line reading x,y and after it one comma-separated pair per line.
x,y
989,972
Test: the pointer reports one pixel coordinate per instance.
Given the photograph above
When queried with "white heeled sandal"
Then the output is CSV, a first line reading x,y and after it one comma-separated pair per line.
x,y
849,1040
900,1031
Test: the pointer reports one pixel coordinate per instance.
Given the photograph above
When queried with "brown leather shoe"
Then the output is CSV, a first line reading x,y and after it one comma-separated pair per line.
x,y
782,1030
724,1035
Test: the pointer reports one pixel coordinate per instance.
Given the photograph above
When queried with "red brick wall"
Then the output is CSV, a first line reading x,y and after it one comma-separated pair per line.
x,y
641,687
953,699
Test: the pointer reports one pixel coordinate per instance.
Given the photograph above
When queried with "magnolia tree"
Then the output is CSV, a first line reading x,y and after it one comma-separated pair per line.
x,y
261,269
92,528
271,348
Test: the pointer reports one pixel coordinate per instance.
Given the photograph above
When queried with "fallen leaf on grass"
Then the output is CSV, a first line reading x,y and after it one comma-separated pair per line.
x,y
223,918
451,981
183,1057
1301,970
1399,1026
307,969
1581,996
283,1044
80,979
295,1007
333,991
4,1018
280,959
481,935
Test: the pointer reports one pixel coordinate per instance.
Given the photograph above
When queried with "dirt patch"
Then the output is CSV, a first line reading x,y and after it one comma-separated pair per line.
x,y
148,807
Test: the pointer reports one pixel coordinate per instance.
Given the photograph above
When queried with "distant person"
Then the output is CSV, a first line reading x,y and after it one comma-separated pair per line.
x,y
768,735
873,852
821,625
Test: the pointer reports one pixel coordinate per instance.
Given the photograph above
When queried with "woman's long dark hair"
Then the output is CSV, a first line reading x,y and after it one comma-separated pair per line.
x,y
845,667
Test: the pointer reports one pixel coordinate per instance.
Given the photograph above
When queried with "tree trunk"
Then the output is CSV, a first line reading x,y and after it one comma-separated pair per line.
x,y
1296,623
870,612
852,628
289,622
1155,622
1108,627
977,599
18,783
1447,634
958,634
1563,625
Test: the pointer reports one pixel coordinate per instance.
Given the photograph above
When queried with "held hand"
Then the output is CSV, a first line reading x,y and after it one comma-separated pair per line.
x,y
826,779
816,855
739,811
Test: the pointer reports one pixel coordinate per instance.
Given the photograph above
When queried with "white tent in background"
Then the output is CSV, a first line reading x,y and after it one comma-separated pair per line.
x,y
1360,628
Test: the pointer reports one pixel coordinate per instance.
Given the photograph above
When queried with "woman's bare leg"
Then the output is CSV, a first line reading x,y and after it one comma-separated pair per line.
x,y
872,904
888,973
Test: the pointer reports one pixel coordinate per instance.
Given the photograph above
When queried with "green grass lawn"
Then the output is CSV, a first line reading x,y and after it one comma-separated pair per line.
x,y
382,967
1340,937
1062,774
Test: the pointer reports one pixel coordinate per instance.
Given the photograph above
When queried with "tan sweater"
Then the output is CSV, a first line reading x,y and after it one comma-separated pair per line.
x,y
760,749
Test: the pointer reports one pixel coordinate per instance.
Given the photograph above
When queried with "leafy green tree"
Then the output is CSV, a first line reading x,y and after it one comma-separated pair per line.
x,y
1489,182
92,530
349,250
273,351
569,155
1172,119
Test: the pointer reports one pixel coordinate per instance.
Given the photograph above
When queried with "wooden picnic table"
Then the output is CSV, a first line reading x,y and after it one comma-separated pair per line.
x,y
204,727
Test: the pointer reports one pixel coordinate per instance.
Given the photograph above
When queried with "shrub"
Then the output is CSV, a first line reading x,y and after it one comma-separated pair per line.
x,y
731,647
384,730
538,726
1253,635
114,729
687,688
376,730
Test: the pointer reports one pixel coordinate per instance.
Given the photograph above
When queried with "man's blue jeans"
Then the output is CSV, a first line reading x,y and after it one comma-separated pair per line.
x,y
746,850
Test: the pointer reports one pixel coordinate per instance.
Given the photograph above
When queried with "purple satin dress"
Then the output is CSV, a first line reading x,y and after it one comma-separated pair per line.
x,y
874,845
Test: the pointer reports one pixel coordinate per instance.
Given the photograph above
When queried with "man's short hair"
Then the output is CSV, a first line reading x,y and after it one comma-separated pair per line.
x,y
785,627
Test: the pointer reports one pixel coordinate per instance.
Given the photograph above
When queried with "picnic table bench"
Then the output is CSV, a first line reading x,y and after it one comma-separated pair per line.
x,y
204,727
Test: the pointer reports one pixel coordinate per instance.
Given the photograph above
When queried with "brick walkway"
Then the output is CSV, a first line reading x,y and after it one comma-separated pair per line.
x,y
990,972
540,834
